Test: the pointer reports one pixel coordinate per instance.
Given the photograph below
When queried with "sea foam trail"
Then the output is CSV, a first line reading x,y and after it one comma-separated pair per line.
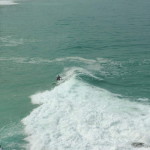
x,y
7,2
41,60
78,116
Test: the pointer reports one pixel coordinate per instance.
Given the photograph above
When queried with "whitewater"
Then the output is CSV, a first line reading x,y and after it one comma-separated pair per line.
x,y
76,115
101,49
7,2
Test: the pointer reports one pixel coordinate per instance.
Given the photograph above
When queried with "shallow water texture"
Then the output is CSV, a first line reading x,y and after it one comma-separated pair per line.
x,y
101,49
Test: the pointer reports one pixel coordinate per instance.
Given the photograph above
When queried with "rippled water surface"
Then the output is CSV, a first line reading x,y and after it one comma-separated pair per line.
x,y
100,48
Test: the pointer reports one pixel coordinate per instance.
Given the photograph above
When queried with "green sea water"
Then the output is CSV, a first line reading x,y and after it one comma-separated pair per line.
x,y
93,45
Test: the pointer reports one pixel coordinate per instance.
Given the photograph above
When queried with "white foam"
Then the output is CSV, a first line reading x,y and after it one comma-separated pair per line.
x,y
88,61
8,40
74,71
100,65
75,115
7,2
42,60
14,59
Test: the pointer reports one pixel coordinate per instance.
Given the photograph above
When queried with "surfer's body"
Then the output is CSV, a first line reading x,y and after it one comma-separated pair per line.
x,y
58,78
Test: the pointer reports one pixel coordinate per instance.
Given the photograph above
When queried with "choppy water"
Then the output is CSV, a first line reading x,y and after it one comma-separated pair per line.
x,y
100,48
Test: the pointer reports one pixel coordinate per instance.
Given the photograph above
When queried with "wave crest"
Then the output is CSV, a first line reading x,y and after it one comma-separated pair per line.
x,y
76,115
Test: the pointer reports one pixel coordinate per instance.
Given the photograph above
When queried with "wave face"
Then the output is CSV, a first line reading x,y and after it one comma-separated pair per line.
x,y
77,115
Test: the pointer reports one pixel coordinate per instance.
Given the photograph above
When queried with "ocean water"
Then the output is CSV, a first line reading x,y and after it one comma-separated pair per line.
x,y
101,49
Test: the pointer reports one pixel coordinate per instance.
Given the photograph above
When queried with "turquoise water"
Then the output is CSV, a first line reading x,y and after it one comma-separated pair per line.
x,y
101,48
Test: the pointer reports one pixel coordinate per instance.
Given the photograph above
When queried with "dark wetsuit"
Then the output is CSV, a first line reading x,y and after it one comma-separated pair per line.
x,y
58,78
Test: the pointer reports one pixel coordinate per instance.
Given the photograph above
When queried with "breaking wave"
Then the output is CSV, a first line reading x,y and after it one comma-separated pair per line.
x,y
77,115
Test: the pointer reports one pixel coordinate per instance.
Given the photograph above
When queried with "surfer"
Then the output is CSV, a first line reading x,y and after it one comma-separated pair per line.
x,y
58,78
